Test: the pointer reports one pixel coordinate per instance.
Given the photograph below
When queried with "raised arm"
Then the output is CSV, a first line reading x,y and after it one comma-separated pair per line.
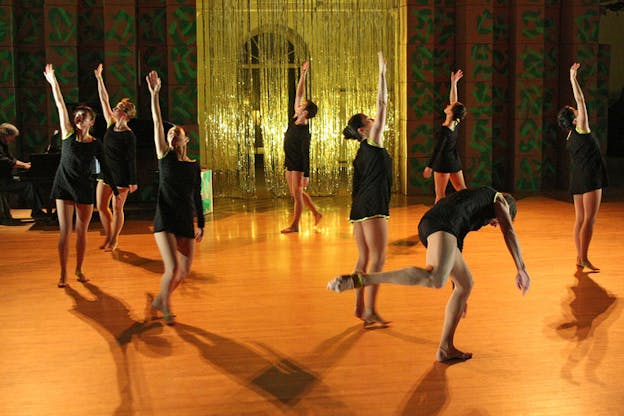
x,y
501,209
104,100
376,133
455,77
66,126
581,117
153,83
301,85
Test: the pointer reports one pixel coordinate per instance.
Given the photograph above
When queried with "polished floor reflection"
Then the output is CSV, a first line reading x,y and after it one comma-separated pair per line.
x,y
257,333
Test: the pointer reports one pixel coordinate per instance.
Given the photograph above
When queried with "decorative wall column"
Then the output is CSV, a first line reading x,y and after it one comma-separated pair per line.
x,y
120,60
60,23
8,110
474,42
420,92
528,94
579,43
182,50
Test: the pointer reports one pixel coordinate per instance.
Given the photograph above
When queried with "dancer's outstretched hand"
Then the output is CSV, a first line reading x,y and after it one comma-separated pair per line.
x,y
49,74
573,69
457,75
153,82
523,281
98,71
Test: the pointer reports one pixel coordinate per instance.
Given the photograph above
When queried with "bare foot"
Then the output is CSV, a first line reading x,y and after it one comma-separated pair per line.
x,y
289,230
111,246
345,282
453,354
372,318
81,277
317,218
586,263
104,244
61,283
157,305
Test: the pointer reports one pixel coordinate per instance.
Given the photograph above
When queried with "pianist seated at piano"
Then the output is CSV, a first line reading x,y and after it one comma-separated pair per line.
x,y
9,166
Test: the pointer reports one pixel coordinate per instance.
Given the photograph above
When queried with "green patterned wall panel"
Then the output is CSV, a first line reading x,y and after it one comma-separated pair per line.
x,y
183,109
587,24
7,103
183,67
6,70
151,24
416,184
6,29
182,70
61,26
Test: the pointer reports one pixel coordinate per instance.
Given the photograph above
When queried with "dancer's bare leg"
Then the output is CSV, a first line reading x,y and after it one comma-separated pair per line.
x,y
579,214
457,180
185,254
307,200
294,185
440,260
440,181
376,236
360,266
462,279
83,218
590,202
103,194
118,219
167,245
65,213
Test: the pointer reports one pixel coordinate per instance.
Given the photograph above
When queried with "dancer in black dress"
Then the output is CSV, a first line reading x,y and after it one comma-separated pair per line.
x,y
445,163
442,230
297,154
179,200
120,152
372,184
588,174
73,187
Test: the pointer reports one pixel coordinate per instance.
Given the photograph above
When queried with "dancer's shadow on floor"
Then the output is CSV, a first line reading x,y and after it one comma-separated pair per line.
x,y
113,320
282,380
403,246
151,265
429,396
589,312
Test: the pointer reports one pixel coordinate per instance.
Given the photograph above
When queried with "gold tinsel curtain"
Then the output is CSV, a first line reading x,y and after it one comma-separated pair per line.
x,y
249,55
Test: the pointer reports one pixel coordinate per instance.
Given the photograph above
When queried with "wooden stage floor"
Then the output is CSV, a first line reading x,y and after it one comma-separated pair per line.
x,y
258,333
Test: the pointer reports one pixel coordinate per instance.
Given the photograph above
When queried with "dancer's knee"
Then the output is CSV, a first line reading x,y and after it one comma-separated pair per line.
x,y
438,278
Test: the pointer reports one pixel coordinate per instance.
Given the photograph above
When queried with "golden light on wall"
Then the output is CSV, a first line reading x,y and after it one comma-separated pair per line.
x,y
249,55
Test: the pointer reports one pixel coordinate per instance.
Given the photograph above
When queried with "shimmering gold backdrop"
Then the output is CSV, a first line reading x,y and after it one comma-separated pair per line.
x,y
249,55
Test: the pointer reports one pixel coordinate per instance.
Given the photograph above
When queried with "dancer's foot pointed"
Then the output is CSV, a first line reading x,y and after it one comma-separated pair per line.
x,y
346,282
452,354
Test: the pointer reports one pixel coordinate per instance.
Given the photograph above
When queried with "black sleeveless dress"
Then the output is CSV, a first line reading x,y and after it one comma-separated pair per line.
x,y
297,148
445,158
458,214
372,183
73,180
587,168
120,154
179,197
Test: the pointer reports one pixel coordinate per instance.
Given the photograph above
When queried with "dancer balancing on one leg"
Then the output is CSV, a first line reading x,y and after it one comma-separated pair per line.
x,y
445,163
588,174
178,201
73,188
120,152
297,154
442,230
372,183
